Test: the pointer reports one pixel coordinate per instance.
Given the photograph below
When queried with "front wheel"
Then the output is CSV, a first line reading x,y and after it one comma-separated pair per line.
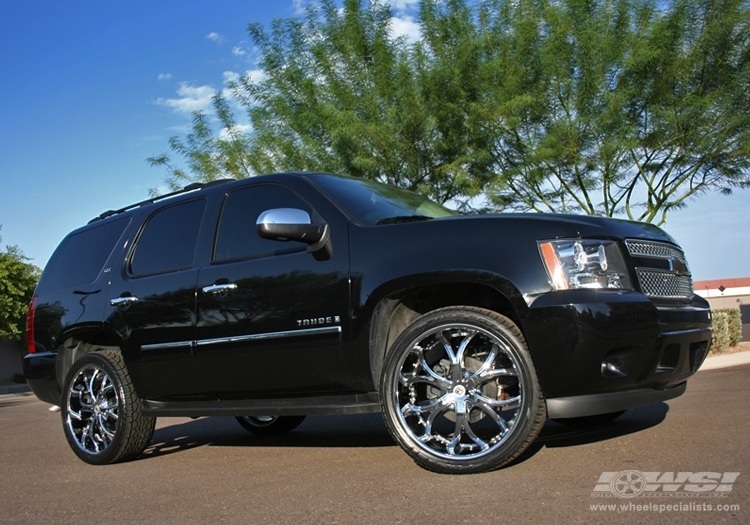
x,y
459,391
270,425
101,411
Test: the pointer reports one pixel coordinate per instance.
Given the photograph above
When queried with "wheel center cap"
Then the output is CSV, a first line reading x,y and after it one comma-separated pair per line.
x,y
459,390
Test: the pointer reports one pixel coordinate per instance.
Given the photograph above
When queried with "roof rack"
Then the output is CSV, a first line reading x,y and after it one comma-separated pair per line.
x,y
190,187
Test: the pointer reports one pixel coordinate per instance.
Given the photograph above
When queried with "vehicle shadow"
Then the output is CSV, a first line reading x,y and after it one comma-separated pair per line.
x,y
556,435
369,430
362,430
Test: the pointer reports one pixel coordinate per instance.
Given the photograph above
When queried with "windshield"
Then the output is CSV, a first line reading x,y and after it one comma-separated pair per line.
x,y
372,203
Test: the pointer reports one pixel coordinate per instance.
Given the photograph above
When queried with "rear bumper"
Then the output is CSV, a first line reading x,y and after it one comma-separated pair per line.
x,y
39,370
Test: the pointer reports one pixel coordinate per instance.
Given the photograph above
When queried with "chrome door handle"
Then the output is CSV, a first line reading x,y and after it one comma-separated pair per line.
x,y
121,301
219,288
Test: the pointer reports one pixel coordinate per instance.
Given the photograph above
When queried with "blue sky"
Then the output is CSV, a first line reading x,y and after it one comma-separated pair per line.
x,y
89,90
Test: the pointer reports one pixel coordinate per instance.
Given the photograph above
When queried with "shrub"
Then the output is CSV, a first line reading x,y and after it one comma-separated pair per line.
x,y
735,327
727,325
720,324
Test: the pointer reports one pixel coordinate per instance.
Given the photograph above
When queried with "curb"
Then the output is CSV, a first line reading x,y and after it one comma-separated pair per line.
x,y
723,361
14,389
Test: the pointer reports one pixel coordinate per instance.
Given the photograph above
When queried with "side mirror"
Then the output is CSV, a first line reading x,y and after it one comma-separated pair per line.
x,y
291,224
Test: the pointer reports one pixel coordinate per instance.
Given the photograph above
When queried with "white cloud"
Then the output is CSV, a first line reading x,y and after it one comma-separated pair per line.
x,y
255,75
299,6
230,76
403,5
215,37
237,50
405,27
165,76
191,98
226,134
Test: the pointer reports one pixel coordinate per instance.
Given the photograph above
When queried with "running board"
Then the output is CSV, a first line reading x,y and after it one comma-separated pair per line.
x,y
301,406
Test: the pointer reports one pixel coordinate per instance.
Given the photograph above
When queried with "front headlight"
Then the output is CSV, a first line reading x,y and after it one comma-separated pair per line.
x,y
584,264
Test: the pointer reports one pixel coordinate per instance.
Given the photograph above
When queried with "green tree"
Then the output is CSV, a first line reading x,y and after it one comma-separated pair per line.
x,y
17,281
338,94
600,107
626,106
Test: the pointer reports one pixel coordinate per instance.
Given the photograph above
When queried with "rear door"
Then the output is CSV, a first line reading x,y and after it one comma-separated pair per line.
x,y
152,304
271,318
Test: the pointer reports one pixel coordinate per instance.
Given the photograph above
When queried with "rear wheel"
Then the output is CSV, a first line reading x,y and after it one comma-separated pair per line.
x,y
270,425
101,412
459,391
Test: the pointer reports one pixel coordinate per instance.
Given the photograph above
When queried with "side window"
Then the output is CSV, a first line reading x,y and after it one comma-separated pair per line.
x,y
167,242
81,257
237,237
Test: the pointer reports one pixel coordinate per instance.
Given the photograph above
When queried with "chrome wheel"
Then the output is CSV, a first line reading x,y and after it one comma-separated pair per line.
x,y
460,391
259,421
101,416
270,425
93,409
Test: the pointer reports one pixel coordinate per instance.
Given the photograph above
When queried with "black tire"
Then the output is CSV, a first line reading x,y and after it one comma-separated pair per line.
x,y
101,411
589,421
473,411
270,425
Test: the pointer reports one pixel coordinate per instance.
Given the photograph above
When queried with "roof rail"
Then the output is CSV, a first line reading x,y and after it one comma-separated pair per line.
x,y
190,187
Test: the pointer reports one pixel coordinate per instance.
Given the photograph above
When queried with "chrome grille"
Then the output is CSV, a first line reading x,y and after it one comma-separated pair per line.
x,y
657,282
664,285
655,250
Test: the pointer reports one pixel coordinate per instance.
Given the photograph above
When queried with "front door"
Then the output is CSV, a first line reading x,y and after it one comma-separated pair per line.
x,y
271,318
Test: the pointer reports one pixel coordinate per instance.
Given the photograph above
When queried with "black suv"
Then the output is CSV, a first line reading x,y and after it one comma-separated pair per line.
x,y
284,295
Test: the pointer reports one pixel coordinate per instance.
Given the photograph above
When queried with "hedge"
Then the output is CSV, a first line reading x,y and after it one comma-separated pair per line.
x,y
727,325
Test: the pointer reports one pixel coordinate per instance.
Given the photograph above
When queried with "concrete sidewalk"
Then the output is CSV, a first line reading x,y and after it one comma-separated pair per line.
x,y
16,388
723,361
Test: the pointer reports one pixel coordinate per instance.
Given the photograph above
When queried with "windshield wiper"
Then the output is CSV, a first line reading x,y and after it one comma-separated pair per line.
x,y
403,218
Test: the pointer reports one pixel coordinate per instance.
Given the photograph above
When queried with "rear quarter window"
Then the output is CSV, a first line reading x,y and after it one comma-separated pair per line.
x,y
81,256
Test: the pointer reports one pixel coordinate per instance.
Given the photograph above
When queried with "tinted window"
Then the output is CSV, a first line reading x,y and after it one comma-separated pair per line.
x,y
168,240
372,203
81,256
238,238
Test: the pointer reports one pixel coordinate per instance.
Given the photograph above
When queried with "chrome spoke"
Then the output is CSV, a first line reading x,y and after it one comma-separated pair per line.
x,y
478,379
511,403
421,409
470,432
431,380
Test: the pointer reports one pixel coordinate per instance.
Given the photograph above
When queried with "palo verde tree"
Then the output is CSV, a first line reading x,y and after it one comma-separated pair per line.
x,y
625,106
617,107
17,281
338,94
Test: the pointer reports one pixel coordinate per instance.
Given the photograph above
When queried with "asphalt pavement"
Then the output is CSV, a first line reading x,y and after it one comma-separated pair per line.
x,y
347,470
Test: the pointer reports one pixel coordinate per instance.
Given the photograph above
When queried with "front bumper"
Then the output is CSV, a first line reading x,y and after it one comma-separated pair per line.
x,y
599,351
589,405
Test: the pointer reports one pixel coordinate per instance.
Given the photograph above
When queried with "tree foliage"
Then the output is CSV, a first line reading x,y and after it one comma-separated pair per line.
x,y
636,106
601,107
17,281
